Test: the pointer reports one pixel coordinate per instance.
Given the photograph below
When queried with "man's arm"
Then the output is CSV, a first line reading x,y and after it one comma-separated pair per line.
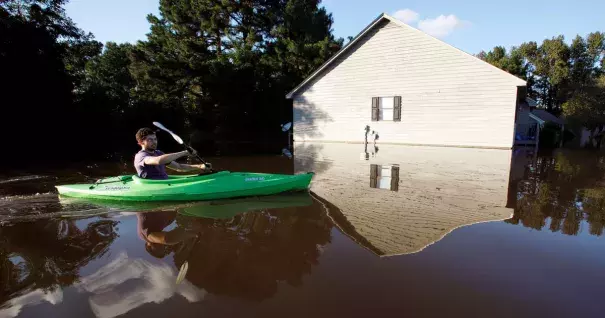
x,y
181,167
164,159
172,237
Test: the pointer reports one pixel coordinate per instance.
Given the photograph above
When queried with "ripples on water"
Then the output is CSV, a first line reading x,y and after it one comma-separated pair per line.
x,y
386,230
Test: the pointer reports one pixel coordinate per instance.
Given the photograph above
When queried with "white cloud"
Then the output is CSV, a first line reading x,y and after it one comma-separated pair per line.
x,y
127,283
406,15
441,26
13,307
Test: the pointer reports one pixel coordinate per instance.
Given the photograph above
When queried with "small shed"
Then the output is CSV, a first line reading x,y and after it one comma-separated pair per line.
x,y
530,120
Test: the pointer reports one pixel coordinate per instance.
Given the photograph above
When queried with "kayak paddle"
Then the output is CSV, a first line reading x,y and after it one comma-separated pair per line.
x,y
179,140
185,266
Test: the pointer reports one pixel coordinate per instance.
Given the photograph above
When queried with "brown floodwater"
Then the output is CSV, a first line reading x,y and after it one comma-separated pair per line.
x,y
386,231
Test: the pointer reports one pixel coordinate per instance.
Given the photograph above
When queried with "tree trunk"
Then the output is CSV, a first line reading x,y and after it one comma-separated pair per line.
x,y
219,43
599,137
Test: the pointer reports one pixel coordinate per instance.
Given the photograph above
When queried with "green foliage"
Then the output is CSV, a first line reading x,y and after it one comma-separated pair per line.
x,y
567,79
512,62
220,69
109,71
556,71
42,58
587,105
228,65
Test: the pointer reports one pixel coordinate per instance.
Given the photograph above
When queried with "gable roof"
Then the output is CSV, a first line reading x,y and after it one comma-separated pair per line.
x,y
531,102
543,116
377,21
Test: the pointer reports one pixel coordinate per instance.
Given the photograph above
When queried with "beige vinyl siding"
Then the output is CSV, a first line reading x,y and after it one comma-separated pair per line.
x,y
448,96
440,189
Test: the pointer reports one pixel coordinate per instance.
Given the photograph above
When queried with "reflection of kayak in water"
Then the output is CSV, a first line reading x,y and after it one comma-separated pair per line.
x,y
217,209
229,208
214,186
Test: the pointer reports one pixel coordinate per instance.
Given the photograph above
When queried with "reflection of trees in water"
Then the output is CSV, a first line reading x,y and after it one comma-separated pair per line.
x,y
307,158
306,114
45,253
564,188
249,255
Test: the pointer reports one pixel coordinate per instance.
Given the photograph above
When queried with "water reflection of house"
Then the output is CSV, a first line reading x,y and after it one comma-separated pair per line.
x,y
384,177
437,190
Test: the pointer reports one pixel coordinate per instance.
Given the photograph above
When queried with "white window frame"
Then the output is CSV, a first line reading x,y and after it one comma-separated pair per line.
x,y
384,177
388,101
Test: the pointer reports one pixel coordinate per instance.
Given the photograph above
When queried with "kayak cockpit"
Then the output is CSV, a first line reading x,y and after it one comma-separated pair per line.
x,y
176,179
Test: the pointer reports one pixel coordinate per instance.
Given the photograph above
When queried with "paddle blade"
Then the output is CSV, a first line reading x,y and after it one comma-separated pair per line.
x,y
175,136
182,272
286,127
157,124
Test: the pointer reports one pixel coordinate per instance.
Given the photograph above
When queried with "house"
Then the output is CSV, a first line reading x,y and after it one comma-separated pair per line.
x,y
530,120
409,88
404,199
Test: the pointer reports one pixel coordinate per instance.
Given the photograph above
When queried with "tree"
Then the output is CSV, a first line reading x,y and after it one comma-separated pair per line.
x,y
231,257
228,64
42,57
585,105
565,187
587,109
49,260
559,75
110,72
219,68
105,99
303,39
512,62
549,67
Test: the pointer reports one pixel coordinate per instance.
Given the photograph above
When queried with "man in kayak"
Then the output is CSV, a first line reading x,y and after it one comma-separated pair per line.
x,y
151,229
150,163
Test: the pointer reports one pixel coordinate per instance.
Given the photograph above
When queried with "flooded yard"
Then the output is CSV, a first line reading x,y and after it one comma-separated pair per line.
x,y
386,231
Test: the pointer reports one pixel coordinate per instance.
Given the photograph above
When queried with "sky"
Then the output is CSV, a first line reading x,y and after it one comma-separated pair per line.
x,y
469,25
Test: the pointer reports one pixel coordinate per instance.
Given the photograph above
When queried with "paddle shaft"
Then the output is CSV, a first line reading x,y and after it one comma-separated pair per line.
x,y
185,265
196,154
180,141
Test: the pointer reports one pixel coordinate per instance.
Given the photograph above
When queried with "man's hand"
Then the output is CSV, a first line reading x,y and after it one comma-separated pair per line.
x,y
191,151
206,167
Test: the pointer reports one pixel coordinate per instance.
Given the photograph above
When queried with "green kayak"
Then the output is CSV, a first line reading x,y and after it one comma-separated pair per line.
x,y
218,185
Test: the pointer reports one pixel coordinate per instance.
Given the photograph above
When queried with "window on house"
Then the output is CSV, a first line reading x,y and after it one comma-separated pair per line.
x,y
386,108
385,111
